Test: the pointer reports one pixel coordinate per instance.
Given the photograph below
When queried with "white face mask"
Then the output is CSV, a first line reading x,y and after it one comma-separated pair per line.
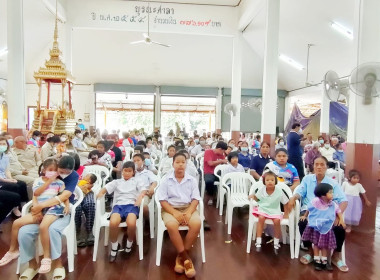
x,y
63,176
63,139
327,146
300,131
281,143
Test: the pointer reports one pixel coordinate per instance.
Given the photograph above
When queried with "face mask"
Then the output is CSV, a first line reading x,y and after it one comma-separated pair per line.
x,y
147,162
10,142
281,143
50,174
300,131
327,146
341,151
196,141
63,176
202,142
63,139
3,149
244,149
137,167
232,146
321,141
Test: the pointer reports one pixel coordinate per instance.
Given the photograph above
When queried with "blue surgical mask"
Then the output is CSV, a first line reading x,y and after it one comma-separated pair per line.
x,y
244,149
3,149
10,142
281,143
147,162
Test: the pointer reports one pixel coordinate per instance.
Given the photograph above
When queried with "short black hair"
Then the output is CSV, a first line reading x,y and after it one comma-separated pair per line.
x,y
36,133
140,156
221,145
352,173
139,148
178,155
54,139
171,146
141,143
322,189
295,125
77,131
93,153
76,158
183,151
270,173
93,178
281,150
104,144
129,164
148,138
146,154
66,162
232,155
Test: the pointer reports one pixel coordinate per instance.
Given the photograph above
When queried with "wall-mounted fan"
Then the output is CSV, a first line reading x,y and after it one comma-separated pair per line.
x,y
365,81
147,40
334,87
230,109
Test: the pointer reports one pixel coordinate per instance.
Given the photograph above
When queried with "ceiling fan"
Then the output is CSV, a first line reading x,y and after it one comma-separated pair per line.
x,y
147,40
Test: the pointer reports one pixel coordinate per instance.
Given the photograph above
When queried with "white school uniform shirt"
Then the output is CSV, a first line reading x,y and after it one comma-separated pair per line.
x,y
151,150
146,178
197,150
167,164
353,190
230,168
178,194
124,191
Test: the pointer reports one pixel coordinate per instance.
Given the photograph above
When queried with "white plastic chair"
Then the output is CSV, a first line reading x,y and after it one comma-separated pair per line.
x,y
237,194
101,221
252,222
219,172
203,183
99,181
128,154
69,232
98,170
199,159
161,229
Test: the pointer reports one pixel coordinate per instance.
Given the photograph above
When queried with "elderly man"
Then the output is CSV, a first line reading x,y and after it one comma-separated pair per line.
x,y
18,172
27,155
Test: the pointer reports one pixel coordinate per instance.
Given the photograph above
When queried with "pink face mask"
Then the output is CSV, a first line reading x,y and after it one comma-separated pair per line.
x,y
50,174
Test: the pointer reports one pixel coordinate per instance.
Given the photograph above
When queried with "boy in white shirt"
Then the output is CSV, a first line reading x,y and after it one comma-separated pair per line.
x,y
128,195
179,197
167,163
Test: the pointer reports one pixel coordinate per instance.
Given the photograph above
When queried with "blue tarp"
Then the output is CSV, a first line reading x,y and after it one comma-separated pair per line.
x,y
338,120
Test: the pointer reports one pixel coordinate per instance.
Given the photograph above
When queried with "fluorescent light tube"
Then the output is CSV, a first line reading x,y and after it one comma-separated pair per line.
x,y
291,62
343,30
3,52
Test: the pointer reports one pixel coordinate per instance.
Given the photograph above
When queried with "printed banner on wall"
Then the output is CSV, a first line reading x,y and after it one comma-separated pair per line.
x,y
163,17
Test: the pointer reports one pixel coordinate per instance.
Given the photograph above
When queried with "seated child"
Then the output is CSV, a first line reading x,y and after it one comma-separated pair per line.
x,y
149,163
233,163
167,163
138,149
321,213
87,207
179,197
126,201
269,198
148,181
190,167
45,187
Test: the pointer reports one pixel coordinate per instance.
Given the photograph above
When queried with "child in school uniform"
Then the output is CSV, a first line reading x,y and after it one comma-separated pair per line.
x,y
86,207
126,201
167,162
179,197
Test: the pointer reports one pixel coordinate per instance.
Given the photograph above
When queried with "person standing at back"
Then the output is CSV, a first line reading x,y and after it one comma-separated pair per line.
x,y
295,150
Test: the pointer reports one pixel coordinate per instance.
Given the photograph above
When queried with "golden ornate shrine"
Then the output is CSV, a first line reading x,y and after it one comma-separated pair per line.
x,y
61,120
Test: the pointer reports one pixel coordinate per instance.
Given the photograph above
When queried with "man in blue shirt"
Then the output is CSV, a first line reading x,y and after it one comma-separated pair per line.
x,y
305,193
81,125
295,149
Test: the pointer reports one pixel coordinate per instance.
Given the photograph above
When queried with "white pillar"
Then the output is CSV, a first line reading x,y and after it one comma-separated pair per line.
x,y
16,70
325,114
363,130
218,112
157,108
236,85
268,117
92,105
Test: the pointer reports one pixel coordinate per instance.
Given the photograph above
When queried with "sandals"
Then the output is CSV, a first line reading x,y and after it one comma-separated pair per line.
x,y
8,257
306,259
59,273
45,266
340,265
28,274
